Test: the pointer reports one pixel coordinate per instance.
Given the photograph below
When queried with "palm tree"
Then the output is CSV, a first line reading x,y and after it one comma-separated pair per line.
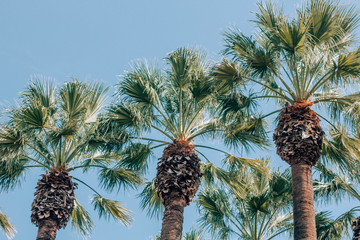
x,y
6,226
261,213
302,62
56,130
337,229
179,104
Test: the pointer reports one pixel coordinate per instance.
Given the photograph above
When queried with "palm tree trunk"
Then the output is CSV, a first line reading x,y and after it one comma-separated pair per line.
x,y
47,229
356,229
303,202
172,223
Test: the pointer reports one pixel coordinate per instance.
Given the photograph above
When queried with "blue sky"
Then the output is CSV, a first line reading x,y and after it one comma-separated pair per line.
x,y
97,40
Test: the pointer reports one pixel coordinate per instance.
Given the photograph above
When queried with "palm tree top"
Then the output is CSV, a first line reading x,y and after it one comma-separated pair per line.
x,y
304,58
179,102
56,128
310,59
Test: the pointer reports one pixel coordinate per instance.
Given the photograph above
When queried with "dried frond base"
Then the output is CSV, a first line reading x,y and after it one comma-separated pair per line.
x,y
299,136
54,198
178,173
356,229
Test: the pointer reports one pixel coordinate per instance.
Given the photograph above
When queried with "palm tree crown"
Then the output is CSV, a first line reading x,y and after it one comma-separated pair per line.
x,y
180,105
56,130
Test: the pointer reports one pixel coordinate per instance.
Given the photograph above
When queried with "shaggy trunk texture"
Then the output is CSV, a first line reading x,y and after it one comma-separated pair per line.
x,y
356,229
47,229
298,138
53,204
177,181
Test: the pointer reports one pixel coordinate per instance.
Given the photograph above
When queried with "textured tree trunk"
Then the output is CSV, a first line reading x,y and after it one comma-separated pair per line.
x,y
303,202
177,181
298,138
356,229
53,203
172,224
47,229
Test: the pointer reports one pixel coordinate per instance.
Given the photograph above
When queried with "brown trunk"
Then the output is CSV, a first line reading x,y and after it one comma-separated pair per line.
x,y
47,229
298,139
172,223
356,229
177,181
303,202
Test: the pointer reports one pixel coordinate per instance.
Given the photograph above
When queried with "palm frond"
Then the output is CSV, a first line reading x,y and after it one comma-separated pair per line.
x,y
185,64
135,157
95,97
41,91
116,178
11,173
346,68
110,208
141,86
293,36
337,229
259,61
6,226
246,134
150,201
12,141
334,186
227,75
341,149
80,219
193,235
236,163
214,175
73,96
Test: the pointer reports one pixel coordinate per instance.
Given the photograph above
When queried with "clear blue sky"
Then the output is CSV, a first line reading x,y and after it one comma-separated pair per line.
x,y
96,40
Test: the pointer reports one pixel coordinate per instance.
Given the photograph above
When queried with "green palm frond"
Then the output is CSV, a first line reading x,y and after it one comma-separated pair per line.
x,y
95,101
41,91
110,208
136,157
193,235
34,115
331,23
80,219
212,175
142,85
73,96
129,115
269,17
11,173
246,134
292,36
346,68
229,74
261,61
118,177
332,185
234,162
184,64
6,226
12,141
292,58
341,149
262,212
150,201
328,228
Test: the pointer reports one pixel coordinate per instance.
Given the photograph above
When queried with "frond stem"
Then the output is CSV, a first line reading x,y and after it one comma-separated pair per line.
x,y
87,185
